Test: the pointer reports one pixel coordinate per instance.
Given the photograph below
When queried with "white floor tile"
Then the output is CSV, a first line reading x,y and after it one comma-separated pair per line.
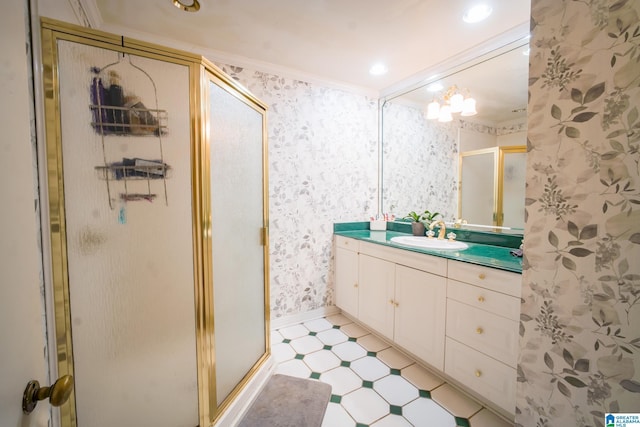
x,y
354,330
332,337
392,420
295,368
421,377
393,358
318,325
424,412
370,368
321,361
396,390
276,337
337,416
282,352
295,331
349,351
342,380
365,405
306,344
372,343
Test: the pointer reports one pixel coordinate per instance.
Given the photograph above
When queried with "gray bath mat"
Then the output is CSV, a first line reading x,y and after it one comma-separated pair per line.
x,y
288,402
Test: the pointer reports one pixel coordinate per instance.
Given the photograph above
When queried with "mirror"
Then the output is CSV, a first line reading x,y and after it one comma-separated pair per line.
x,y
421,158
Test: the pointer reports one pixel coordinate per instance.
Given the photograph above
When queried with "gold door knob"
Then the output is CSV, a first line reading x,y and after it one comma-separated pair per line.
x,y
480,298
355,285
396,303
391,302
482,276
57,394
478,373
479,330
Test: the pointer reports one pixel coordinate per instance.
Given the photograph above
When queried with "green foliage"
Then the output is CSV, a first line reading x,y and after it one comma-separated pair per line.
x,y
425,216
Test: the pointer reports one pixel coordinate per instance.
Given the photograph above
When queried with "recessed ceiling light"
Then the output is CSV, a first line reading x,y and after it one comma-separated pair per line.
x,y
435,87
477,13
186,5
378,69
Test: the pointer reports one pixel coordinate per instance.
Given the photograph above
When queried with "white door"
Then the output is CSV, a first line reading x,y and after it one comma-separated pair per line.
x,y
376,294
22,356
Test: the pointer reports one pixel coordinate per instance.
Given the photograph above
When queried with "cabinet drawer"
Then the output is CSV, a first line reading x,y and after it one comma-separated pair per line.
x,y
489,378
490,334
347,243
484,299
491,278
430,264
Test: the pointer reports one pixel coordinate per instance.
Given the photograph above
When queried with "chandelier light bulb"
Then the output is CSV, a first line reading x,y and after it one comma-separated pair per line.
x,y
433,109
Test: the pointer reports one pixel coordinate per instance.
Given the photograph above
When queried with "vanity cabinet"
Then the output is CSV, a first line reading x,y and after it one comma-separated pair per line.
x,y
398,295
459,318
483,308
346,275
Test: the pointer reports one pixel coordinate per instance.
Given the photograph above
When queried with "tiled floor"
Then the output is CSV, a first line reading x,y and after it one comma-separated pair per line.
x,y
373,384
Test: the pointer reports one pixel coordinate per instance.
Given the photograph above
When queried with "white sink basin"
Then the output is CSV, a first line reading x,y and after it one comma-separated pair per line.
x,y
426,243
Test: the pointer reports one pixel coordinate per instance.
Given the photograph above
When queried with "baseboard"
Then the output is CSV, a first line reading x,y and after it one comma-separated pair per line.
x,y
281,322
235,411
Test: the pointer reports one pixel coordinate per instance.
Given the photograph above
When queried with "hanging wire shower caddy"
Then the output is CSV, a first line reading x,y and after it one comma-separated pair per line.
x,y
128,117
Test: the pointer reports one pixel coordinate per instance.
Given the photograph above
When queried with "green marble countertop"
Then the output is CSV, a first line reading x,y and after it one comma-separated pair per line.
x,y
487,255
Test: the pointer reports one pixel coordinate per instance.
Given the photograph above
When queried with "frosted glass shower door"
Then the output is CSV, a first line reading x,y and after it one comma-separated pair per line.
x,y
237,226
129,263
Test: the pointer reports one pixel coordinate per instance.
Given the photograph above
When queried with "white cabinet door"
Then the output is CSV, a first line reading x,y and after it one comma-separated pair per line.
x,y
347,281
376,296
420,314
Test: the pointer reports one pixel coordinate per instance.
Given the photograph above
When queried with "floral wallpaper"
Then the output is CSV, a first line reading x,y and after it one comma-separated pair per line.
x,y
323,157
420,162
580,322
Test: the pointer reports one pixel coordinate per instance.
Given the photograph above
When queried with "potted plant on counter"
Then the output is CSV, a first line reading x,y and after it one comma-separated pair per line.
x,y
417,224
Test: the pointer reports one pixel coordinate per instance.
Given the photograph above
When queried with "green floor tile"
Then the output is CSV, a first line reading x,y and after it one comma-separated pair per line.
x,y
462,422
367,384
313,334
361,425
336,326
286,340
326,347
425,393
395,371
371,353
352,339
345,363
335,398
315,375
299,356
395,410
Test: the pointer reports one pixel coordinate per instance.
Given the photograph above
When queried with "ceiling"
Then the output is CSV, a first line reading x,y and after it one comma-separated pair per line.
x,y
335,41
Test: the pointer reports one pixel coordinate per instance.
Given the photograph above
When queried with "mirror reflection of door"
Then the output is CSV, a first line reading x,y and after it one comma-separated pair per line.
x,y
492,185
514,162
477,198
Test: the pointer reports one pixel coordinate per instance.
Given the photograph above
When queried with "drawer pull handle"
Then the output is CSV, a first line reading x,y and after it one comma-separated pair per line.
x,y
478,373
479,330
391,302
482,276
481,299
396,303
355,285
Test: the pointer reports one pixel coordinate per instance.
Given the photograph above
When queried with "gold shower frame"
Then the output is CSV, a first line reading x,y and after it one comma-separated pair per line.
x,y
200,71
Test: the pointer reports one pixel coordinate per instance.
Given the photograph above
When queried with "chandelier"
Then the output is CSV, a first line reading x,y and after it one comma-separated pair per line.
x,y
453,102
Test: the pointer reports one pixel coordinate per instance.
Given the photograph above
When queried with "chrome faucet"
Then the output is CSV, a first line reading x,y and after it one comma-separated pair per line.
x,y
443,229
